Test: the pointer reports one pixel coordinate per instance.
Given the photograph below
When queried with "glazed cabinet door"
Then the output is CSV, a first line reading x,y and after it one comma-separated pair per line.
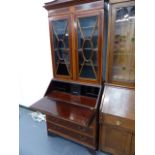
x,y
61,46
122,44
88,46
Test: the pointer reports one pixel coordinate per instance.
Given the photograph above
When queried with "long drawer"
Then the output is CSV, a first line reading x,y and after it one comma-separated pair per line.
x,y
90,131
117,121
69,134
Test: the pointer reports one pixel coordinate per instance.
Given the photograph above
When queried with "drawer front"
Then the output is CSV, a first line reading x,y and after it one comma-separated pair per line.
x,y
118,121
71,134
88,131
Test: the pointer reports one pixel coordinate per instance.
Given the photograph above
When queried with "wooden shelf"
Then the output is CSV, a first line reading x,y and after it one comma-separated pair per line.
x,y
65,49
92,49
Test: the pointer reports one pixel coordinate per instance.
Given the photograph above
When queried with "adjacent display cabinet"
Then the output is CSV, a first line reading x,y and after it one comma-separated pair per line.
x,y
117,110
117,120
72,100
121,43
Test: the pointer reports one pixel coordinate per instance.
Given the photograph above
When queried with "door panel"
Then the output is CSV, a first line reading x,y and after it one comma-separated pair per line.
x,y
122,49
88,47
115,140
61,46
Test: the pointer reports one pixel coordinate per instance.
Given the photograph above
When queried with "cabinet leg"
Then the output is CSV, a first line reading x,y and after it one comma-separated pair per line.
x,y
51,134
92,152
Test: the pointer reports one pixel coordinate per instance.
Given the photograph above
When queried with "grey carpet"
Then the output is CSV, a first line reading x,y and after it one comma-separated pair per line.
x,y
35,141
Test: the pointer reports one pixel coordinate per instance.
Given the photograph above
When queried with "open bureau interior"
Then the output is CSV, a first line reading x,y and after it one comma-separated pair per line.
x,y
71,110
71,102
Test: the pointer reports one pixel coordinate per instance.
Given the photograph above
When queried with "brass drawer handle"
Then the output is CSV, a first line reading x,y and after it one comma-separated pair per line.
x,y
118,123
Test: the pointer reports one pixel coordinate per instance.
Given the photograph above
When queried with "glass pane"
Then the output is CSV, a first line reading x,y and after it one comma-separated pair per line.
x,y
123,68
61,46
88,47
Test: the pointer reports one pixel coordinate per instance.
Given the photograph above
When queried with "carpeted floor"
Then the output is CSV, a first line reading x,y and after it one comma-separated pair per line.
x,y
35,141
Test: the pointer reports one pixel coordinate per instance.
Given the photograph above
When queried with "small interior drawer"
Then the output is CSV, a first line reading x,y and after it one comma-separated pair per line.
x,y
117,121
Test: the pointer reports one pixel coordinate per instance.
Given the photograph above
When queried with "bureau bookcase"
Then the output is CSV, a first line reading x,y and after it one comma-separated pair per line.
x,y
71,102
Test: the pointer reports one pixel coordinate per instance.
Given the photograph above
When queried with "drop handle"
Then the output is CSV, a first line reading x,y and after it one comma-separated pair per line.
x,y
118,123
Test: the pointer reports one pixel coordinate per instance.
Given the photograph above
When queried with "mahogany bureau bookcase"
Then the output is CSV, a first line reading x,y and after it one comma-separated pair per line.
x,y
117,110
71,102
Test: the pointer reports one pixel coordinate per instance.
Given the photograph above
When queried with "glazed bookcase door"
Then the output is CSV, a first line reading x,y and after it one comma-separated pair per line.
x,y
61,46
122,44
88,48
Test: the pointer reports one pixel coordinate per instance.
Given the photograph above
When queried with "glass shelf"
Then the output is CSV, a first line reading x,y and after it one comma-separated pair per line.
x,y
90,49
64,49
88,27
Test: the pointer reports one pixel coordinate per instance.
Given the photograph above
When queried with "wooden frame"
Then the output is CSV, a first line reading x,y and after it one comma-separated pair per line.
x,y
60,104
117,125
99,14
56,18
119,1
112,14
71,13
66,3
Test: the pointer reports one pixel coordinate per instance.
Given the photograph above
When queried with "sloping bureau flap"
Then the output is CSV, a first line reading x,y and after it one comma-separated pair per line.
x,y
67,111
70,101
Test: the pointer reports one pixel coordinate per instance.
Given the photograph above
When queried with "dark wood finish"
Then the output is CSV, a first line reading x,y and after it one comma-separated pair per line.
x,y
133,145
115,140
71,111
89,131
121,122
87,141
114,4
119,1
71,130
66,3
71,104
117,120
57,18
119,101
97,5
73,99
71,10
99,15
88,7
80,115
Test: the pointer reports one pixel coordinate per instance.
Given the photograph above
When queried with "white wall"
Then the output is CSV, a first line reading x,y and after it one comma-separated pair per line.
x,y
35,67
26,48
